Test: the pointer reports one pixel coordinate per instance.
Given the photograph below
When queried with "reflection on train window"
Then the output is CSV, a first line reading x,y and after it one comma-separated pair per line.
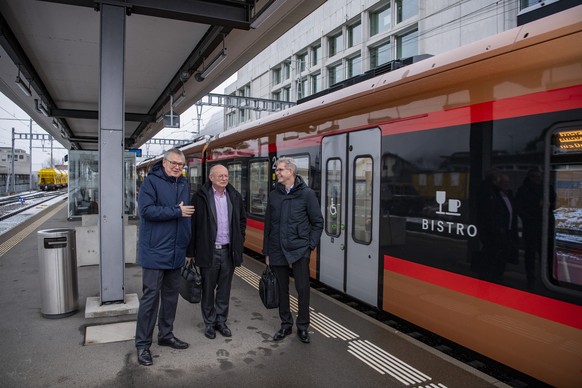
x,y
566,266
195,177
258,186
362,200
234,176
333,197
302,162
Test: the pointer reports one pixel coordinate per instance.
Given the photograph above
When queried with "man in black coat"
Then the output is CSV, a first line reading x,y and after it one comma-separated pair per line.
x,y
293,227
217,244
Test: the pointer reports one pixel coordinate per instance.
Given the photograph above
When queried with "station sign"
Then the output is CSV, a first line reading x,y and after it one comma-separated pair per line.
x,y
171,120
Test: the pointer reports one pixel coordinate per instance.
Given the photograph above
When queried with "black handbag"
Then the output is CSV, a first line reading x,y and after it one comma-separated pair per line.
x,y
269,289
191,283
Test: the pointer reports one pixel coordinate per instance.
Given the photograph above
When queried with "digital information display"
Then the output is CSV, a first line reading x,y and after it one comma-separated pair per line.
x,y
568,141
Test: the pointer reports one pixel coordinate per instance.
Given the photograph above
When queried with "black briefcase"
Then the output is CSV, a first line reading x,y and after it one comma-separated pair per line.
x,y
191,283
269,289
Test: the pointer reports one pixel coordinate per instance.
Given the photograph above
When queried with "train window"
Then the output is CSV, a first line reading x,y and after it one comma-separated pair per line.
x,y
302,162
258,186
234,176
362,200
195,176
565,201
333,197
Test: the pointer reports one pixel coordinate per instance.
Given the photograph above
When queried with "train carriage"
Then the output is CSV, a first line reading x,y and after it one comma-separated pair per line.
x,y
403,164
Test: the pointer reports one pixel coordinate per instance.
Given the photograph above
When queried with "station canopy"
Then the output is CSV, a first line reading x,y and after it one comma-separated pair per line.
x,y
176,50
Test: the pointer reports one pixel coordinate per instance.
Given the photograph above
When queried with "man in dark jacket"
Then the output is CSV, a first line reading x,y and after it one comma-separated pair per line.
x,y
218,234
164,234
293,226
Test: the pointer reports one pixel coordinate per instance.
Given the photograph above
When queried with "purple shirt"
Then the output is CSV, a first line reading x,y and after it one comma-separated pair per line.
x,y
221,203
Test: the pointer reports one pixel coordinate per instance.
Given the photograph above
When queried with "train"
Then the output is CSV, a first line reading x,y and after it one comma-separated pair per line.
x,y
50,179
404,164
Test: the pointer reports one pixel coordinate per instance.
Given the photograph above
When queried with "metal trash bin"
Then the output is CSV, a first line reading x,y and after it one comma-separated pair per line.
x,y
59,289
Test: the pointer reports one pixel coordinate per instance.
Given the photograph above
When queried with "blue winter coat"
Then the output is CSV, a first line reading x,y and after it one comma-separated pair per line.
x,y
163,233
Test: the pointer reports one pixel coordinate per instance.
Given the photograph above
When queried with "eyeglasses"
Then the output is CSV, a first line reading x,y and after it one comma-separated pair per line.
x,y
281,169
175,164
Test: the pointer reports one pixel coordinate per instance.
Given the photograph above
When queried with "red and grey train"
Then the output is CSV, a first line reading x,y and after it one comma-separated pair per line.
x,y
406,164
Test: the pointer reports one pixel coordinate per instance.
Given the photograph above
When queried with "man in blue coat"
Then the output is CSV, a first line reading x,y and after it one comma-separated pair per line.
x,y
164,234
293,227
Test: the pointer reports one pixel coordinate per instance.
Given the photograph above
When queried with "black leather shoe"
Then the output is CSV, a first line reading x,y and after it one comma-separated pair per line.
x,y
144,357
223,329
282,333
173,343
209,332
303,336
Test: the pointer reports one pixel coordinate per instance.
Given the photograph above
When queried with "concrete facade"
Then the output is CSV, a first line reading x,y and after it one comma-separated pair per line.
x,y
366,34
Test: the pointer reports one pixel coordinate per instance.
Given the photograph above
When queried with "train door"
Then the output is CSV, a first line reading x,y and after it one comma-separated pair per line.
x,y
350,204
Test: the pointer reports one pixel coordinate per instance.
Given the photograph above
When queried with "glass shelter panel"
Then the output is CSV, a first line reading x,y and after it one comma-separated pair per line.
x,y
84,183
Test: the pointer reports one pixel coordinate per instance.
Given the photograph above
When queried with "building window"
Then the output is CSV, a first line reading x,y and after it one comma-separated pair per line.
x,y
335,44
380,55
354,34
277,95
231,119
380,20
406,9
286,70
286,94
315,54
407,44
335,74
302,59
354,66
302,88
315,83
277,76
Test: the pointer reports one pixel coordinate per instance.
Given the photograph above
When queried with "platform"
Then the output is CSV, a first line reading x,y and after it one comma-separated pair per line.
x,y
348,348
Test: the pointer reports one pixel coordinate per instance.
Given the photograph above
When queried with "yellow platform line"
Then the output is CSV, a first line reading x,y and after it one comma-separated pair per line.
x,y
18,237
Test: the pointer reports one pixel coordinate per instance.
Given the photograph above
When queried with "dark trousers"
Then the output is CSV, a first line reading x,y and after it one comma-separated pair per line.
x,y
300,271
158,285
216,284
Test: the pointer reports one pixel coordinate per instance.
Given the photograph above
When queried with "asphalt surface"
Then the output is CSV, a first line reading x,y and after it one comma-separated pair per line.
x,y
348,349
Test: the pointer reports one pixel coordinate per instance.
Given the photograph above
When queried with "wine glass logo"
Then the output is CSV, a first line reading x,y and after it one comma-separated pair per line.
x,y
441,198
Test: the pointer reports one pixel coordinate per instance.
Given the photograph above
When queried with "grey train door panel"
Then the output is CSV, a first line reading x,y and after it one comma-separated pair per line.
x,y
350,204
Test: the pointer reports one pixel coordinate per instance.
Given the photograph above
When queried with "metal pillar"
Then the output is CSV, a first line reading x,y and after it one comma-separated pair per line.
x,y
12,172
111,138
30,180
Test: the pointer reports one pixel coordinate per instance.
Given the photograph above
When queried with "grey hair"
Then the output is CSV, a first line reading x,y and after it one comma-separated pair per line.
x,y
290,163
174,151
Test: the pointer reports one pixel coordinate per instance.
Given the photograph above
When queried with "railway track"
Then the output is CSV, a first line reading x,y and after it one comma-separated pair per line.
x,y
14,204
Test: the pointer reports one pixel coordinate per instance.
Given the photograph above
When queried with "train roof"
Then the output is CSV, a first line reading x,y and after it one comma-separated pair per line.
x,y
508,48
